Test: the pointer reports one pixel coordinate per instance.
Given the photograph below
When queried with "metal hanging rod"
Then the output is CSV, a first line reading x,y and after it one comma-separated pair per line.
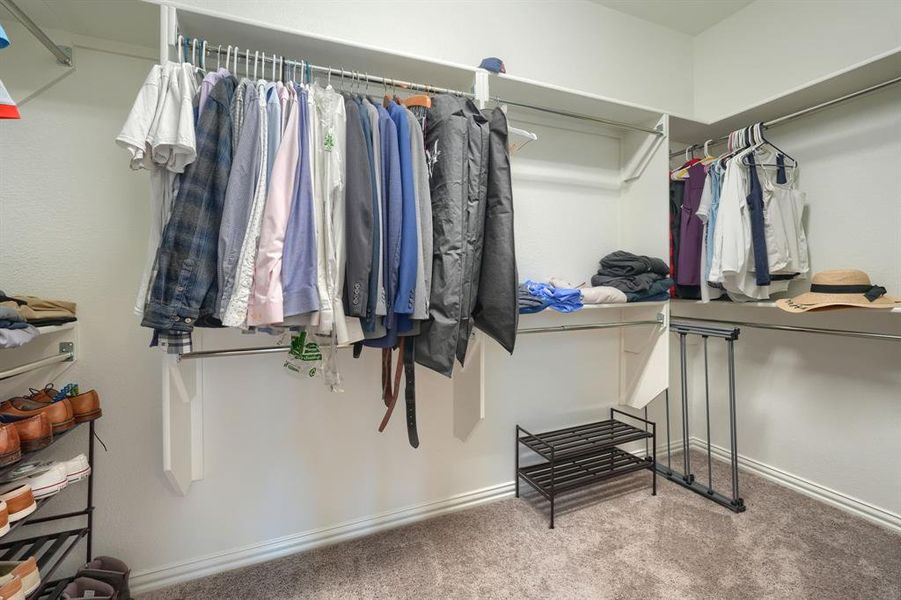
x,y
247,55
838,332
558,328
572,115
800,113
61,55
37,364
552,329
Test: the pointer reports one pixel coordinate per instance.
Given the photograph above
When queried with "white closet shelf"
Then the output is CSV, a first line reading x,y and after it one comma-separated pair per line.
x,y
564,99
57,328
834,85
367,59
301,45
627,305
772,305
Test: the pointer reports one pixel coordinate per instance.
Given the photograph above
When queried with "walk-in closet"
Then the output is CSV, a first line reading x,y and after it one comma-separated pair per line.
x,y
577,299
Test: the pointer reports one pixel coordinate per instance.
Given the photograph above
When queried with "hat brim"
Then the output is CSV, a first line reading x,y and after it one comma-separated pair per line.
x,y
816,301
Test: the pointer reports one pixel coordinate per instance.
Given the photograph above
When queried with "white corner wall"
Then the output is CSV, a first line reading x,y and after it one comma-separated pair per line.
x,y
773,46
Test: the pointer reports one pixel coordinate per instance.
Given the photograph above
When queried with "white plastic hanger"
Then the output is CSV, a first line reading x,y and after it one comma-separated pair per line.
x,y
228,57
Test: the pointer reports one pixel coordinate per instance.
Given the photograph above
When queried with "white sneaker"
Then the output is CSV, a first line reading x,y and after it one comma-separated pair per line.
x,y
77,468
50,482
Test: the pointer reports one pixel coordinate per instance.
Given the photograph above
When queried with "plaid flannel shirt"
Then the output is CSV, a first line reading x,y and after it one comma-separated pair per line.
x,y
185,286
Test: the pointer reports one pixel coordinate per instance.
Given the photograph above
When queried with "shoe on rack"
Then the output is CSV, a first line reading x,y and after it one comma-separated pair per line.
x,y
85,407
109,570
10,446
26,571
77,468
50,482
11,588
34,432
4,519
19,501
85,587
59,413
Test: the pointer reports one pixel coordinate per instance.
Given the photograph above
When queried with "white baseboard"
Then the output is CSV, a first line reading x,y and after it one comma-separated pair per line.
x,y
175,573
857,507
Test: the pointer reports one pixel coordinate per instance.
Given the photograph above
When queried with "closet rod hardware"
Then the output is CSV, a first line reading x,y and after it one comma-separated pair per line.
x,y
800,113
658,131
838,332
248,55
66,354
233,352
62,54
729,333
556,328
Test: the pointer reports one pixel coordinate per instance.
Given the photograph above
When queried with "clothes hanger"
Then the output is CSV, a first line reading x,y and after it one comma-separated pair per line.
x,y
418,100
762,141
218,56
203,56
228,57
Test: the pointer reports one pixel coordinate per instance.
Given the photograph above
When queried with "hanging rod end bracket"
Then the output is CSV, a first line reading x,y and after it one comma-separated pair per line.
x,y
67,348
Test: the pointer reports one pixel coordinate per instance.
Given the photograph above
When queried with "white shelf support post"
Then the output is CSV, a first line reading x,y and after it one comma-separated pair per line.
x,y
480,88
469,389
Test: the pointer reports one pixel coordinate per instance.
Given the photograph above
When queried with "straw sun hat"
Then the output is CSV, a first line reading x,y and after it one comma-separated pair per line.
x,y
837,289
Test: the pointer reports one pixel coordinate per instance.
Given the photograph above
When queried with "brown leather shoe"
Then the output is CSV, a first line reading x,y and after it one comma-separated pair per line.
x,y
34,432
10,447
59,413
85,407
11,588
19,501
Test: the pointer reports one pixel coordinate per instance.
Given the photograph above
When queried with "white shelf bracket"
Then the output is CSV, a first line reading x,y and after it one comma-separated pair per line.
x,y
642,158
644,372
469,389
182,422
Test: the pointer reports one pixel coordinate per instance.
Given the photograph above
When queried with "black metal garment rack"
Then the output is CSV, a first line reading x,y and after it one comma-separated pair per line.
x,y
52,549
687,478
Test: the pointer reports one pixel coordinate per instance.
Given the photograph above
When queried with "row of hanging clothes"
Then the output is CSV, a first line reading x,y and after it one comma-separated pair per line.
x,y
737,221
291,206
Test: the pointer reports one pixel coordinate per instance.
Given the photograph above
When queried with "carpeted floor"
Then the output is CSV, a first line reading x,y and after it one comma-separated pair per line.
x,y
617,542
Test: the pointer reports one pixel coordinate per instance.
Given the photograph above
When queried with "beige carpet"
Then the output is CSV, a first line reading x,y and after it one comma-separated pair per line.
x,y
615,543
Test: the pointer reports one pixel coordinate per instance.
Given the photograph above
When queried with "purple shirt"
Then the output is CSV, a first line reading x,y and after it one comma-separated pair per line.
x,y
688,271
301,292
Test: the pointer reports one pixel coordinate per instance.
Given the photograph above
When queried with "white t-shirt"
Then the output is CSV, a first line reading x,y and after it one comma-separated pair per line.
x,y
159,135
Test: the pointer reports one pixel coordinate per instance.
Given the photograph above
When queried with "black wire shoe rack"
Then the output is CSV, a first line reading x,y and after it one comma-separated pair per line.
x,y
51,549
584,455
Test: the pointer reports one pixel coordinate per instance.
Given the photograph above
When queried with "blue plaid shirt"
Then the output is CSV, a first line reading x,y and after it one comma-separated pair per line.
x,y
185,287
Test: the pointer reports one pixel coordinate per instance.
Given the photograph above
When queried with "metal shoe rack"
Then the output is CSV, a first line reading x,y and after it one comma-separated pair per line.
x,y
51,549
584,455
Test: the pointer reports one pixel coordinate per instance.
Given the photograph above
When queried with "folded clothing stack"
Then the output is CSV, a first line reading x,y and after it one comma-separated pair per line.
x,y
40,311
535,297
641,278
14,330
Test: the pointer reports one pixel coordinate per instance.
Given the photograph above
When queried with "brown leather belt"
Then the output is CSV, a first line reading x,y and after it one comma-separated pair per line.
x,y
405,364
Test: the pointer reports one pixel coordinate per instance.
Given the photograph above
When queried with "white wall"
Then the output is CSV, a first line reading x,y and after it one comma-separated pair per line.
x,y
772,46
824,408
283,456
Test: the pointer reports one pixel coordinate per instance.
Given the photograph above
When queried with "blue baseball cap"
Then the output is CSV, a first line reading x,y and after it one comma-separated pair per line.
x,y
493,64
4,39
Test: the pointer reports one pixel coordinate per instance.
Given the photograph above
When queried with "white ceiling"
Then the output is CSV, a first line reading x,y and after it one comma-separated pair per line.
x,y
688,16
